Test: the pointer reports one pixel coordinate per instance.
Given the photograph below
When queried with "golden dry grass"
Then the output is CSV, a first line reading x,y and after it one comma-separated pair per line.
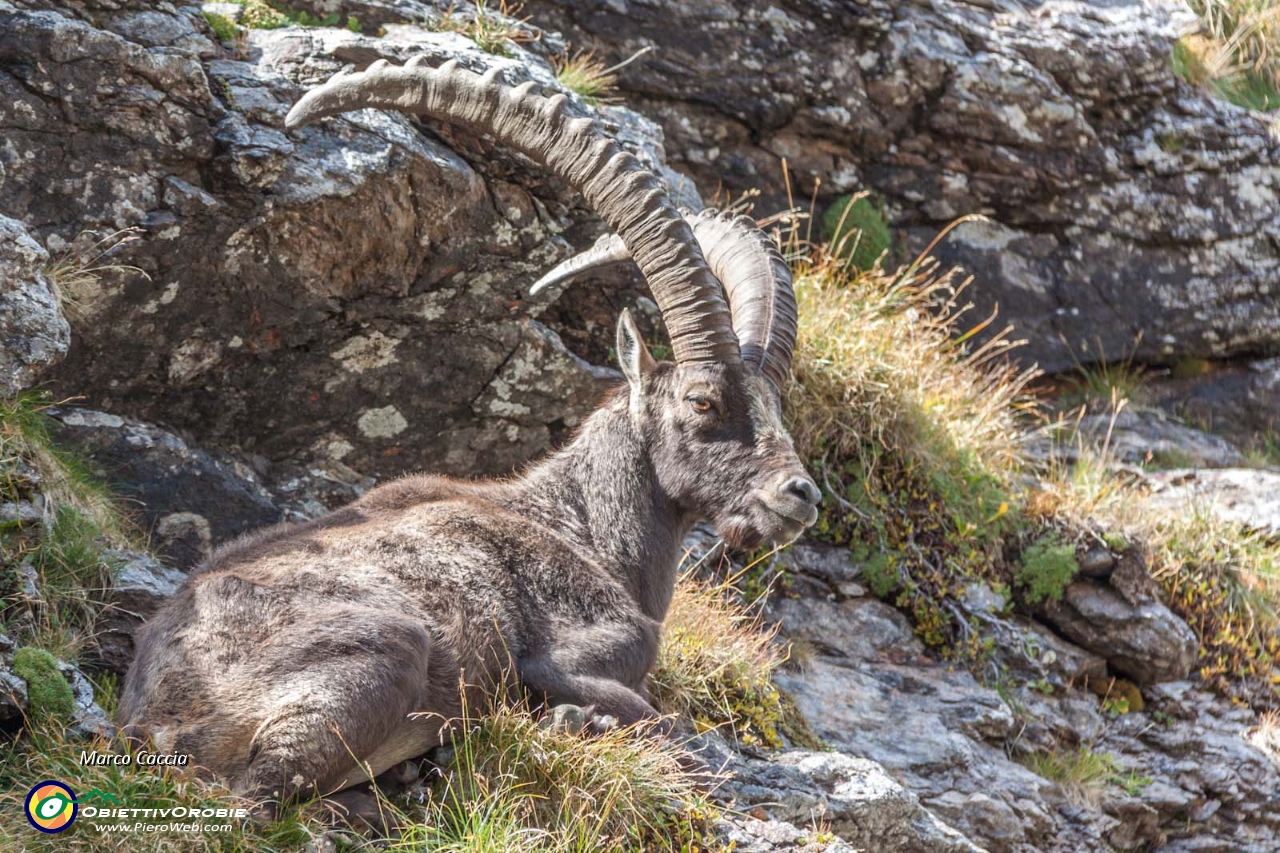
x,y
716,662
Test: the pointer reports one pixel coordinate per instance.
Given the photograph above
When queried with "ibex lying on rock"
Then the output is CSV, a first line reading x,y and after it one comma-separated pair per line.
x,y
294,654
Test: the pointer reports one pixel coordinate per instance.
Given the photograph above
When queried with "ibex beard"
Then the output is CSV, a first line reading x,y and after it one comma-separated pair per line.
x,y
306,658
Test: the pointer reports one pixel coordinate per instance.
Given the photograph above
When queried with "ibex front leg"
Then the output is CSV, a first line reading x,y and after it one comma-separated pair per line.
x,y
602,665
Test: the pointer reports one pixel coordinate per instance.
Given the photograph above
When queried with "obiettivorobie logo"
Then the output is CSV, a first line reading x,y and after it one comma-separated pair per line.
x,y
52,806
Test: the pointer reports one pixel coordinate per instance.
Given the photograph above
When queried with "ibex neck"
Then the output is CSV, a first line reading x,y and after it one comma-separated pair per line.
x,y
601,492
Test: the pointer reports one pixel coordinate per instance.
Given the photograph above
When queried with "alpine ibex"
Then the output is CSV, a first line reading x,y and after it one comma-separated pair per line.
x,y
292,654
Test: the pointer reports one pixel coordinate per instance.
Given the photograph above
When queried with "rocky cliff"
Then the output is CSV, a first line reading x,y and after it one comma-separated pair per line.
x,y
261,325
1130,212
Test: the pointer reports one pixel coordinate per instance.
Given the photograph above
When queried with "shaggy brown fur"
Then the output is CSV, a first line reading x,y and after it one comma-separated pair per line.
x,y
296,653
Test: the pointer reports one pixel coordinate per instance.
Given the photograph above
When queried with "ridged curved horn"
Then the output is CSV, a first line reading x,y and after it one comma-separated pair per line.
x,y
622,192
755,277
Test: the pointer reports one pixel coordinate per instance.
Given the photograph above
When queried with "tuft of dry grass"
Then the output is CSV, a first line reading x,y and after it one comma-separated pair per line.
x,y
1235,54
76,273
588,76
515,784
493,29
912,431
1084,776
716,662
1265,736
878,361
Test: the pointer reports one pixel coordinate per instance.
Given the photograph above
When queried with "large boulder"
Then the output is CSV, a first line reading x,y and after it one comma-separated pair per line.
x,y
33,331
1122,201
1142,640
188,500
352,293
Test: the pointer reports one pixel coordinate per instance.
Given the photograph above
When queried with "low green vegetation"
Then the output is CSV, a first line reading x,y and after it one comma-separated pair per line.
x,y
49,695
856,231
1085,776
1045,568
1234,53
66,556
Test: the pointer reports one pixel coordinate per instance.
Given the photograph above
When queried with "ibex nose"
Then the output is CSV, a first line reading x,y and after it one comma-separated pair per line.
x,y
804,489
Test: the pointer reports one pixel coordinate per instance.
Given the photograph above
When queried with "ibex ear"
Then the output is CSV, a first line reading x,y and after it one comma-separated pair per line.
x,y
633,355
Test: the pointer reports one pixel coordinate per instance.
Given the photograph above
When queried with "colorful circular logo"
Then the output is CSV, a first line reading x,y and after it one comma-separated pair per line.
x,y
51,807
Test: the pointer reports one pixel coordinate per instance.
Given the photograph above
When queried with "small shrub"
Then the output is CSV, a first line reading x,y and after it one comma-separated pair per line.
x,y
49,696
259,15
856,231
1047,566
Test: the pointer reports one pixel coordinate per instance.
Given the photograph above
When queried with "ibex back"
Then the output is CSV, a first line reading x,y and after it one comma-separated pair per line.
x,y
303,658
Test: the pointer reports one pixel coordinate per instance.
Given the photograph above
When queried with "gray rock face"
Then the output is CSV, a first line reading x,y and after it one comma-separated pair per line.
x,y
949,740
1138,437
33,331
869,691
13,690
1145,641
856,798
354,293
1249,496
1122,201
140,584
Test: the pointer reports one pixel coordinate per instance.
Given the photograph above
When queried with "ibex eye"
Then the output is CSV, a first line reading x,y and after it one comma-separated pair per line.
x,y
701,405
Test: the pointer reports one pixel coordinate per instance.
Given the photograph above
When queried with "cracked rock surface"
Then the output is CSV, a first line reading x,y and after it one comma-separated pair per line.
x,y
1121,201
353,293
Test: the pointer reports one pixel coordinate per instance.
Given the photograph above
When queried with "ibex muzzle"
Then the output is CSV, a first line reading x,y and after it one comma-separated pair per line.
x,y
302,658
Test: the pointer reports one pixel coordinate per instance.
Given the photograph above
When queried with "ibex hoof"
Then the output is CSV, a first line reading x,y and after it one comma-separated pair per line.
x,y
565,718
601,723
